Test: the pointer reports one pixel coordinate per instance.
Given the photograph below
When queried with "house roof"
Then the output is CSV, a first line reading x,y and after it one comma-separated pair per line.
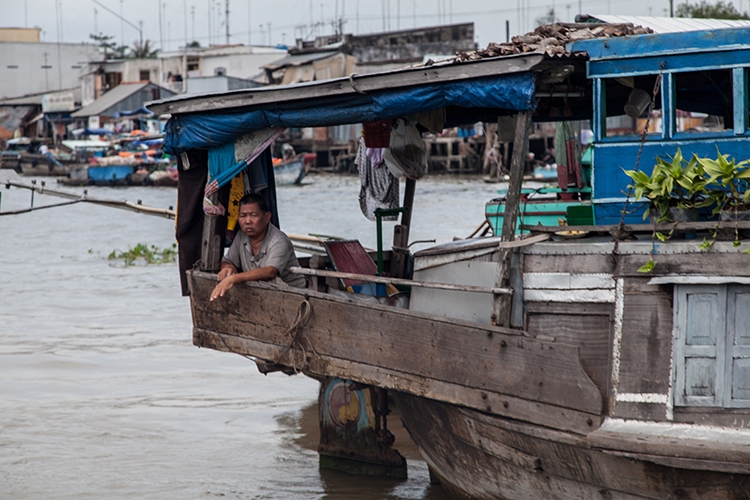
x,y
669,24
299,59
11,117
36,99
111,98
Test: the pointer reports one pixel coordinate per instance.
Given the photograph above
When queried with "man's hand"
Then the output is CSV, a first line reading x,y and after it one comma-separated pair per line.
x,y
225,284
226,271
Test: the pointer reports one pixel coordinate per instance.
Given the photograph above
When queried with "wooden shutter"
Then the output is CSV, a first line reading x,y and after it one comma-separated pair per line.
x,y
737,370
700,345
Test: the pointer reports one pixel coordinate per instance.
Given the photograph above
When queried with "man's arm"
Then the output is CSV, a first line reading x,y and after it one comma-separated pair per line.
x,y
261,274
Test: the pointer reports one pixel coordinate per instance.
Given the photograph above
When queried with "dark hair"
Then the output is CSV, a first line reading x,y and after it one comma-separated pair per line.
x,y
255,198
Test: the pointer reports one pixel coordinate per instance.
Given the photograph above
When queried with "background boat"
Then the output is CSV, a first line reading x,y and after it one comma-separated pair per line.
x,y
291,171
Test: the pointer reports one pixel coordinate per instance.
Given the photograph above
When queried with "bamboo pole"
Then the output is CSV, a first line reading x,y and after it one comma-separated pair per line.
x,y
84,197
398,281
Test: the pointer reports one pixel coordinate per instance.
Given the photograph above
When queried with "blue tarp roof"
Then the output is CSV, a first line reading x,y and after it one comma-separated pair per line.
x,y
204,130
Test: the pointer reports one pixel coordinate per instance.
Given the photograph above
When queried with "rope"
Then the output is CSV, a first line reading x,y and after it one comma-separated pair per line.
x,y
32,209
304,312
651,105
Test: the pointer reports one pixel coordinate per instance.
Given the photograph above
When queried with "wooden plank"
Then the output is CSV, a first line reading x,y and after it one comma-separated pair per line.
x,y
660,445
573,264
344,86
501,306
457,352
680,227
704,263
553,417
591,333
646,344
398,281
211,244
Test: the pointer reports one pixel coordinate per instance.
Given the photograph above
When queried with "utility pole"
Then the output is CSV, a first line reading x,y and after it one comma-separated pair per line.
x,y
227,20
161,32
122,26
249,31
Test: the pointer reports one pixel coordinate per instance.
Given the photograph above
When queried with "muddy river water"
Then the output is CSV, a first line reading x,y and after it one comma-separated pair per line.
x,y
103,395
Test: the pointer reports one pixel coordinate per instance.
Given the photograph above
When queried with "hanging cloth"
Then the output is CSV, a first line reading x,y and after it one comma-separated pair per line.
x,y
568,167
379,186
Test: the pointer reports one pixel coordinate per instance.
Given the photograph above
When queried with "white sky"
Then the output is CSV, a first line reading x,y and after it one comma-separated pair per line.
x,y
73,20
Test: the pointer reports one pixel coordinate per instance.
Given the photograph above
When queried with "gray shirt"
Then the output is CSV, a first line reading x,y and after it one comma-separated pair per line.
x,y
275,250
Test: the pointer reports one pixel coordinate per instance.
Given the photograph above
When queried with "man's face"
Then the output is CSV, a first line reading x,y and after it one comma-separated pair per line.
x,y
253,221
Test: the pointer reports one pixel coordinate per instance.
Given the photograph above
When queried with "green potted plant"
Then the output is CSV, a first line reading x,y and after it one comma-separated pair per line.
x,y
675,189
727,188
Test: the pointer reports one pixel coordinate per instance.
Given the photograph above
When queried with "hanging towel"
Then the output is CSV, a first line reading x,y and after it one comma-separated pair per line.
x,y
379,186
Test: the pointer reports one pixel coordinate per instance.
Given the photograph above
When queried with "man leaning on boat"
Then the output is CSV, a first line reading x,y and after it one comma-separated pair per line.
x,y
260,252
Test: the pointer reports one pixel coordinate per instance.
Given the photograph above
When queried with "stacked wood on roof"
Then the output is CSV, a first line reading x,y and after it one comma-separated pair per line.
x,y
551,39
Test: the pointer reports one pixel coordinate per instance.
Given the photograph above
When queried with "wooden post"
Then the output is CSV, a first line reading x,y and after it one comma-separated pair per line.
x,y
211,245
401,233
501,305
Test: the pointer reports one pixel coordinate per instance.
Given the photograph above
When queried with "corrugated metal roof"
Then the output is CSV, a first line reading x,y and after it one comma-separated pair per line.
x,y
672,24
299,59
117,94
36,99
11,117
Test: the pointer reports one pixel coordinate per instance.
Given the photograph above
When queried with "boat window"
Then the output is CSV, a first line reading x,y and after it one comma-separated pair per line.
x,y
712,346
703,101
626,105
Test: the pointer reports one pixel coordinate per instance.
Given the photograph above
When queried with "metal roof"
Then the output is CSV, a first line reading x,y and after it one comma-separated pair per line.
x,y
111,98
11,117
299,59
671,24
36,99
354,84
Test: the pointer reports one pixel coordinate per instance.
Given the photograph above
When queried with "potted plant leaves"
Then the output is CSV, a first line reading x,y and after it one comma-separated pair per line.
x,y
728,190
674,190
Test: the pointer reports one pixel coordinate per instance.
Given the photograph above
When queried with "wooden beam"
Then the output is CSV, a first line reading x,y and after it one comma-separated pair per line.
x,y
680,227
211,244
398,281
501,306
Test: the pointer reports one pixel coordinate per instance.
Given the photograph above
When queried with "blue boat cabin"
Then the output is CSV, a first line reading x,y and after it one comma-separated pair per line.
x,y
701,74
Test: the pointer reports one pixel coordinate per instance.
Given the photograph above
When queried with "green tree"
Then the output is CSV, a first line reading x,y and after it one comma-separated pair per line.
x,y
142,50
705,10
111,49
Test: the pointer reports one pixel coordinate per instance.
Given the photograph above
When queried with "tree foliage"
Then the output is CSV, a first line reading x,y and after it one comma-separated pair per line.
x,y
705,10
139,50
142,50
111,49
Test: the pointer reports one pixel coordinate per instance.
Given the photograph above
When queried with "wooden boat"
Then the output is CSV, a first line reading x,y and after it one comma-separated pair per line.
x,y
548,366
291,171
33,164
110,175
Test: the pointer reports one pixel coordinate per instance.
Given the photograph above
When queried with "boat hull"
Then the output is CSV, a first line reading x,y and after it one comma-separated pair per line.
x,y
39,166
110,175
475,455
290,172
